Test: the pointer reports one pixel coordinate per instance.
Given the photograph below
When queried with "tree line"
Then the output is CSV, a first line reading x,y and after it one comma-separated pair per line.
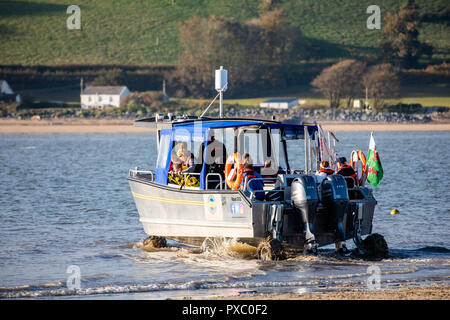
x,y
400,48
350,79
257,53
260,53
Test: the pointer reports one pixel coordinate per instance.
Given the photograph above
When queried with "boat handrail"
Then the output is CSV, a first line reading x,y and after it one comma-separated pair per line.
x,y
252,192
214,174
136,171
349,178
190,173
247,181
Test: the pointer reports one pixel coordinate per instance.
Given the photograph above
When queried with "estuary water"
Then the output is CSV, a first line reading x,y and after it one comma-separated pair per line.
x,y
66,210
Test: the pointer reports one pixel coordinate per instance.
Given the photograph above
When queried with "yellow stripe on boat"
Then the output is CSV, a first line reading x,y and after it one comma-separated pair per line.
x,y
168,200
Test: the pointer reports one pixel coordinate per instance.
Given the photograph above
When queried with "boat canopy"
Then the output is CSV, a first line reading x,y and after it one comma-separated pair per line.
x,y
197,129
198,132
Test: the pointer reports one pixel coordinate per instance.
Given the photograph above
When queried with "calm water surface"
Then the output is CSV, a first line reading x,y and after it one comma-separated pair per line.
x,y
65,201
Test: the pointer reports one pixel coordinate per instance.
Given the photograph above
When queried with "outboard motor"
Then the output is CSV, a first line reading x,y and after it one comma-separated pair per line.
x,y
334,196
305,198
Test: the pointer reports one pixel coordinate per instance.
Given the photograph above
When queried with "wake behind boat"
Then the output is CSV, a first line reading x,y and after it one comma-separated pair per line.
x,y
231,177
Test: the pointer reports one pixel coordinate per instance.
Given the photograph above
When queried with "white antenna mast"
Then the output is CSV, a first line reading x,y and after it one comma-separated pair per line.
x,y
221,86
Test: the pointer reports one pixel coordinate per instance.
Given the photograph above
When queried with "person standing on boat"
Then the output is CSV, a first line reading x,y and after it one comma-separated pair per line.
x,y
324,171
347,171
215,156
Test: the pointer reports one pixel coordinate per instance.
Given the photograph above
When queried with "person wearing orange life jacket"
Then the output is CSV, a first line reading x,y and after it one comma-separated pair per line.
x,y
246,159
346,170
324,171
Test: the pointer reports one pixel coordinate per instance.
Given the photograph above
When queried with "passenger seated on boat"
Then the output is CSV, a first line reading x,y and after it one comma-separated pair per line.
x,y
324,171
187,160
249,174
268,168
182,163
175,164
176,168
175,171
347,171
245,160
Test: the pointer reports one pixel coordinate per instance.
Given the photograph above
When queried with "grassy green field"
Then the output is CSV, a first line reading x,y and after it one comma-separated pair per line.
x,y
125,32
427,96
254,102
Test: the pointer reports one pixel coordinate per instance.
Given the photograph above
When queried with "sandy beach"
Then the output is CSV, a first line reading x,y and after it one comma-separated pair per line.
x,y
433,292
69,126
126,126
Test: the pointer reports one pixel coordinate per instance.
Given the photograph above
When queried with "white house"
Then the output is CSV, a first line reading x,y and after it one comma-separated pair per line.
x,y
99,97
6,93
279,103
357,104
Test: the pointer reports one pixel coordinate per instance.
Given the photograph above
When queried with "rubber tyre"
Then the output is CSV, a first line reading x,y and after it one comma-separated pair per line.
x,y
375,246
270,249
155,242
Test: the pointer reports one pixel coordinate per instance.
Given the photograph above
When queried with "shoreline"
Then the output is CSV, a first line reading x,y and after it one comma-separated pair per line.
x,y
16,126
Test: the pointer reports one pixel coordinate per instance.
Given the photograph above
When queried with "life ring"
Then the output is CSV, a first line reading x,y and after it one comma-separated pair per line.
x,y
234,177
358,156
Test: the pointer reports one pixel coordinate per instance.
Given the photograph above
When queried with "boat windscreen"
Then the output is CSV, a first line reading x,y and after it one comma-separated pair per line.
x,y
164,146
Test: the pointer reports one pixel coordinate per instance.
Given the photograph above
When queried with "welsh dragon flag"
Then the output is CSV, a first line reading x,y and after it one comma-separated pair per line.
x,y
374,168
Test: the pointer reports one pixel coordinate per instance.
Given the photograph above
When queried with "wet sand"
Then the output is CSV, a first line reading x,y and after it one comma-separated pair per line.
x,y
433,292
383,126
126,126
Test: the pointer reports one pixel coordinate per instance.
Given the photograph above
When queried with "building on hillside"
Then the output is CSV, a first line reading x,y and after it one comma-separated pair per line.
x,y
105,96
279,103
7,94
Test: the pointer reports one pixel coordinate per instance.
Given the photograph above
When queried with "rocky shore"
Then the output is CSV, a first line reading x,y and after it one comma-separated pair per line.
x,y
344,115
309,115
125,125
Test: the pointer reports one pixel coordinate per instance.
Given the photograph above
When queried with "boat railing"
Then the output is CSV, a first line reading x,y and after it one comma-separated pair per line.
x,y
351,182
215,174
136,173
252,192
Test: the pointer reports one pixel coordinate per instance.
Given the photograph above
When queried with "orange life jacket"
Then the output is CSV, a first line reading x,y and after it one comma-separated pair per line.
x,y
327,171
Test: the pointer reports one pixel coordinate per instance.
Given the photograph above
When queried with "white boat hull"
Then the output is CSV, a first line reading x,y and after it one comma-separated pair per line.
x,y
170,212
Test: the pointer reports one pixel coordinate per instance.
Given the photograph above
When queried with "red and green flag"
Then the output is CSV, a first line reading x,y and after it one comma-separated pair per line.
x,y
374,168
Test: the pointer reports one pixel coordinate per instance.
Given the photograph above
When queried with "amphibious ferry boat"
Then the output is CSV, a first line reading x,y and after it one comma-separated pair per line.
x,y
288,207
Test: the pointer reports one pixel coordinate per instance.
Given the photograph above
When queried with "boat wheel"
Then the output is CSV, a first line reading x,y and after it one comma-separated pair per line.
x,y
155,242
375,246
270,249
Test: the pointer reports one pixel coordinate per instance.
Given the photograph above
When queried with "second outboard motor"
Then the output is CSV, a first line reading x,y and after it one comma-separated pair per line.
x,y
334,195
305,198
